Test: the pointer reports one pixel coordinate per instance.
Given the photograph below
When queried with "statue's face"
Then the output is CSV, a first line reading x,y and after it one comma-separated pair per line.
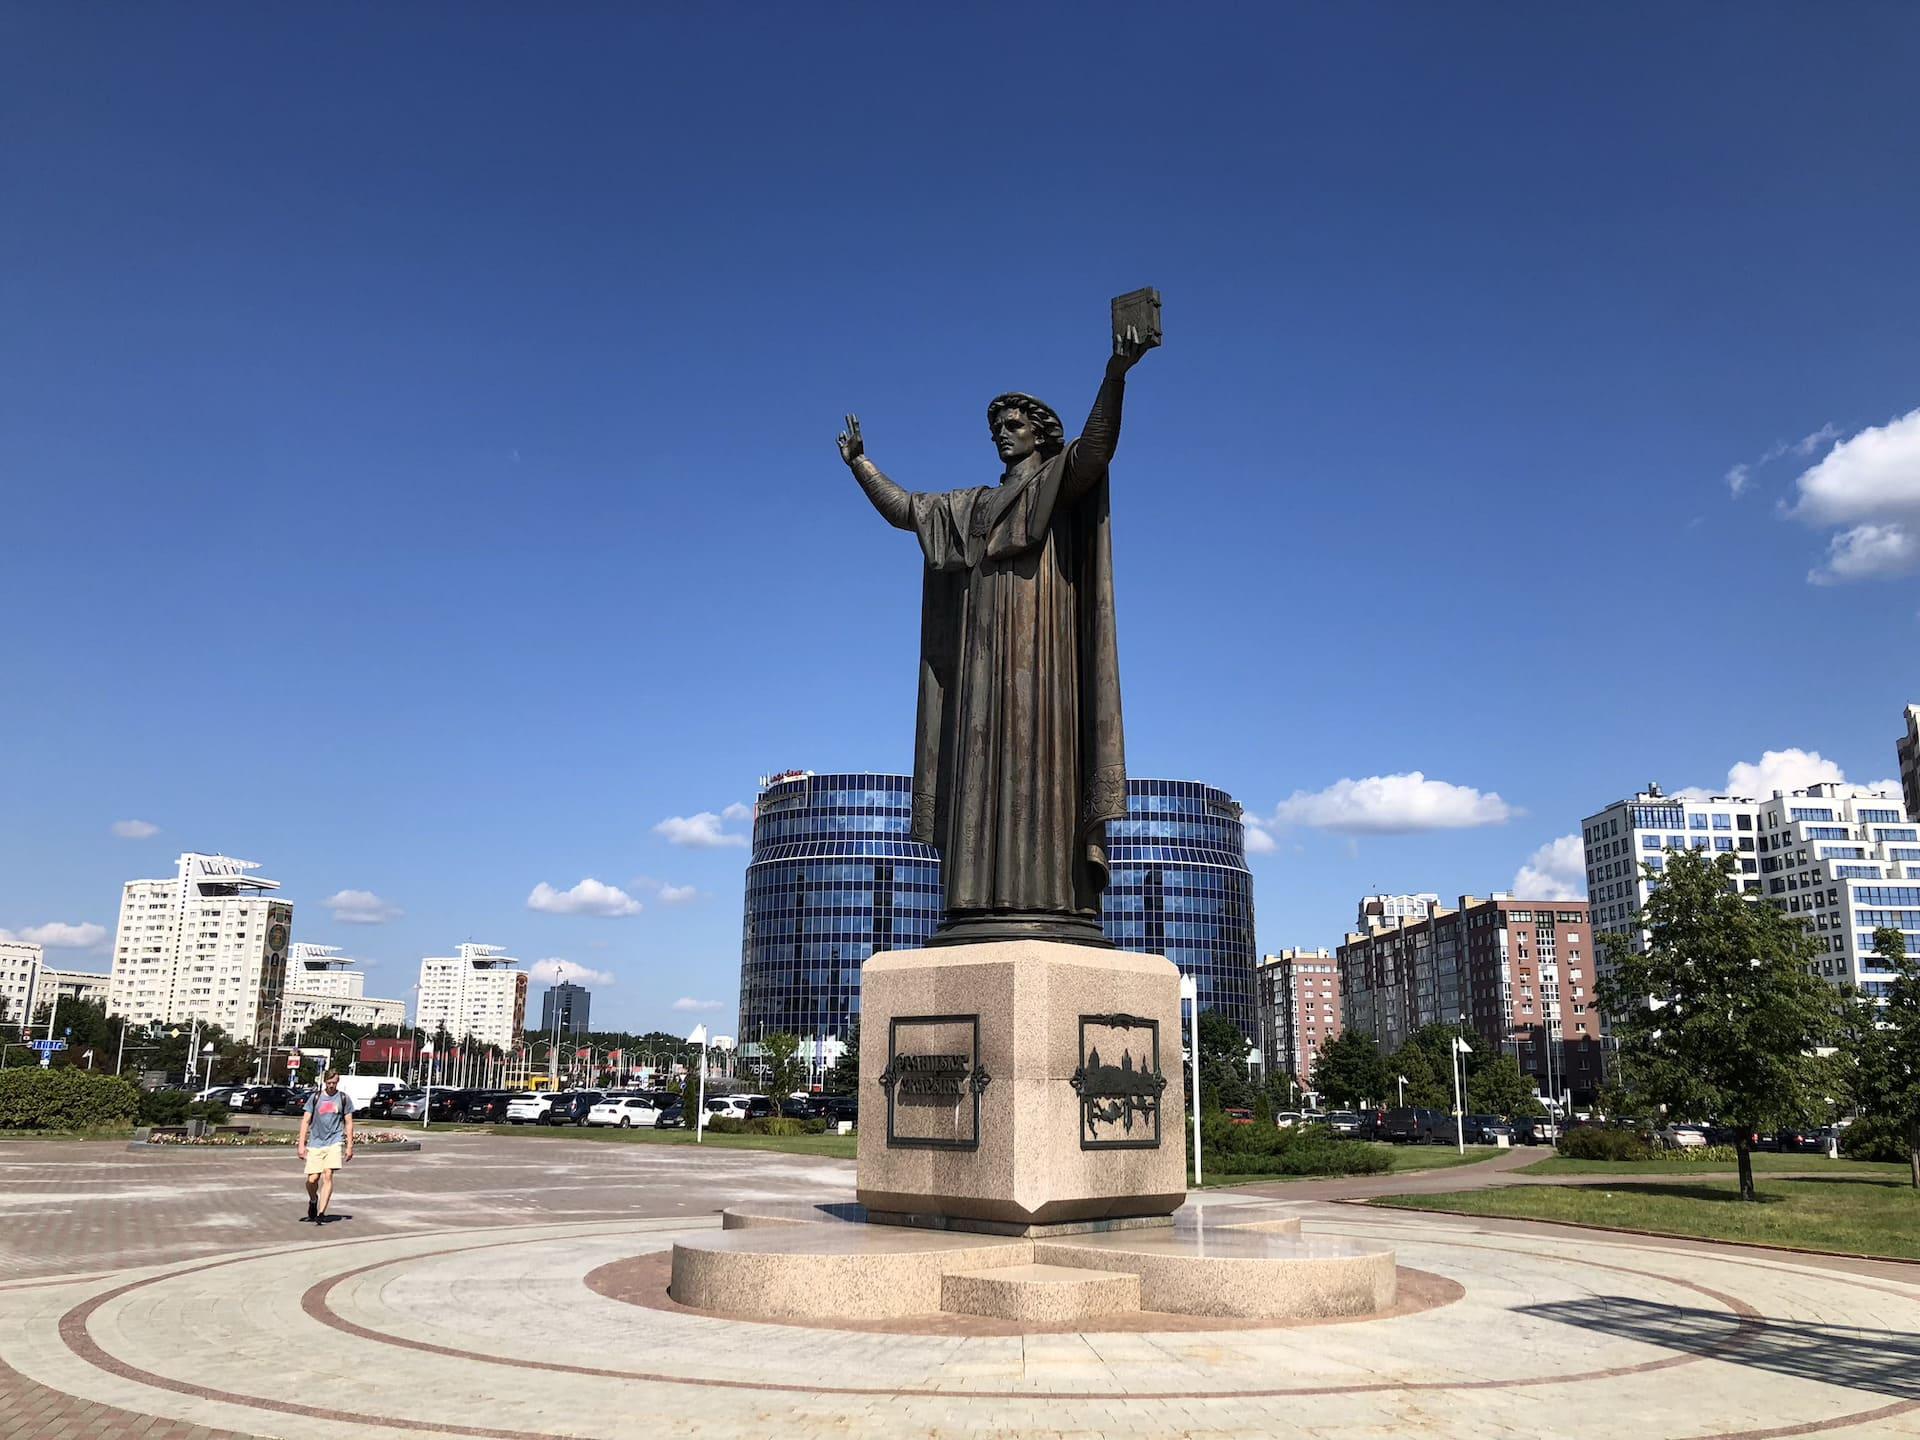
x,y
1014,436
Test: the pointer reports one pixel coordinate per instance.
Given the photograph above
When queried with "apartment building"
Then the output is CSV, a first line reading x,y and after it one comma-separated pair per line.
x,y
1517,973
322,984
1908,750
1843,858
478,992
208,943
19,973
1298,995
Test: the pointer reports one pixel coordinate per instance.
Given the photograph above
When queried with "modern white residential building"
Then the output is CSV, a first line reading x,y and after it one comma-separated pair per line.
x,y
1389,910
478,992
19,973
208,943
1907,747
71,985
1843,858
322,984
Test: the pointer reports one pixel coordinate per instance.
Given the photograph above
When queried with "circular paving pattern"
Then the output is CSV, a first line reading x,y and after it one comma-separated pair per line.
x,y
518,1334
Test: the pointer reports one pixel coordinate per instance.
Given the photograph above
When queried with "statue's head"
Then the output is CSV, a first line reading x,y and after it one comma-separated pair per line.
x,y
1021,425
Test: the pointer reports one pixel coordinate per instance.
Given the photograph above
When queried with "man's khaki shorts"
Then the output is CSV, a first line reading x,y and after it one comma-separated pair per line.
x,y
323,1157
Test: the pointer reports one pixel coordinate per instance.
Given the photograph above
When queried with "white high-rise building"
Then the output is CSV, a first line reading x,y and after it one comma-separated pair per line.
x,y
1845,859
209,943
478,992
1387,911
322,984
70,985
19,974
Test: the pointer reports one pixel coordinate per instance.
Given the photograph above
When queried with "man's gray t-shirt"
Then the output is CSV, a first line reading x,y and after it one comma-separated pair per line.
x,y
328,1117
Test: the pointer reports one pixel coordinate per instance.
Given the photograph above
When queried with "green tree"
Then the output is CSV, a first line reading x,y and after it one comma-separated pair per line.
x,y
1429,1083
843,1078
1350,1070
1223,1063
786,1071
1498,1088
1888,1083
1721,1015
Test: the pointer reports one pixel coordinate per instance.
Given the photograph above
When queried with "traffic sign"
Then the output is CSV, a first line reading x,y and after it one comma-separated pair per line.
x,y
46,1045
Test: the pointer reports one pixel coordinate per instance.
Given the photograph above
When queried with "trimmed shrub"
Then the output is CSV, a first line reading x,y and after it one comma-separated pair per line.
x,y
1718,1154
164,1107
211,1111
1268,1150
64,1099
1874,1138
726,1125
1596,1142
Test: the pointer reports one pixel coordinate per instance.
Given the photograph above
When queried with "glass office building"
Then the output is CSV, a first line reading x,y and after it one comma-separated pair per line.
x,y
834,878
1180,887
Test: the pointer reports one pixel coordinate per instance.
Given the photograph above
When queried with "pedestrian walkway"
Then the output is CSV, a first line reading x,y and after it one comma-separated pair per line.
x,y
437,1330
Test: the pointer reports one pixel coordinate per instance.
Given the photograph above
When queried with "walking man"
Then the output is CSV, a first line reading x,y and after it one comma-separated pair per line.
x,y
326,1142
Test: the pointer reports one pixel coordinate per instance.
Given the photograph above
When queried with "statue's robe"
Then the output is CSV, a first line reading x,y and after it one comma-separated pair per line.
x,y
1019,758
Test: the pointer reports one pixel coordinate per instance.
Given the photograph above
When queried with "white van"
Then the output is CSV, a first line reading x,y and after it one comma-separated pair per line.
x,y
363,1088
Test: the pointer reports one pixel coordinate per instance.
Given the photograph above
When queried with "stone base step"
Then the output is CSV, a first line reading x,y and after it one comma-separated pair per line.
x,y
1039,1294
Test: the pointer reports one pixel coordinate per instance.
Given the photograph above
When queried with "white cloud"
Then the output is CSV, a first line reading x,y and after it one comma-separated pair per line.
x,y
1738,478
737,811
700,832
686,1004
1807,444
677,894
361,907
1867,552
589,897
1868,488
1789,769
58,935
1556,871
134,829
553,970
1393,805
1259,840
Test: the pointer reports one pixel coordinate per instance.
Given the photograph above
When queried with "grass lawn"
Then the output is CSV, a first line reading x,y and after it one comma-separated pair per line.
x,y
1763,1163
1851,1214
111,1132
838,1147
1404,1157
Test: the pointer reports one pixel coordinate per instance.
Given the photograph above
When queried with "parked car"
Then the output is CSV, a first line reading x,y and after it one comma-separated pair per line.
x,y
794,1108
627,1111
1344,1123
1535,1130
1238,1114
267,1100
406,1104
1406,1125
1800,1140
486,1107
757,1107
836,1109
673,1117
1373,1124
1488,1130
219,1095
365,1092
529,1109
1287,1119
1442,1128
447,1104
571,1107
1682,1137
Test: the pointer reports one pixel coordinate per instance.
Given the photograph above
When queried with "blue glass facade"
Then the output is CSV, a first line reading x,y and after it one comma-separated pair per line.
x,y
1180,888
833,878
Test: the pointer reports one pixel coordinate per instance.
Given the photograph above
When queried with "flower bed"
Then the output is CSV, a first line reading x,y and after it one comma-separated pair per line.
x,y
270,1140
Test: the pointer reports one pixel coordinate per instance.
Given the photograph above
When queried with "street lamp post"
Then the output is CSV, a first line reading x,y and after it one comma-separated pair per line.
x,y
206,1052
1190,992
1460,1047
426,1105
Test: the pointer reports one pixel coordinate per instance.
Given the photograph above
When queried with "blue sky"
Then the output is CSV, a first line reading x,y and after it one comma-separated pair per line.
x,y
416,430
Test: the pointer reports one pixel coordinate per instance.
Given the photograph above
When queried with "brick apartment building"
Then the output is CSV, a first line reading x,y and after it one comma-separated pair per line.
x,y
1298,996
1517,973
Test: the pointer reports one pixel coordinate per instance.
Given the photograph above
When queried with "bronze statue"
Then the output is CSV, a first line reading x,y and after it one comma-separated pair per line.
x,y
1019,760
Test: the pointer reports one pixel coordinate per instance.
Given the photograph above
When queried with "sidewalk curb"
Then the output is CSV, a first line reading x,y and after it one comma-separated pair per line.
x,y
393,1147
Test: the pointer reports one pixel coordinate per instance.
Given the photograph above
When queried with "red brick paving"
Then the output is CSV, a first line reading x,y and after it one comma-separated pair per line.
x,y
31,1411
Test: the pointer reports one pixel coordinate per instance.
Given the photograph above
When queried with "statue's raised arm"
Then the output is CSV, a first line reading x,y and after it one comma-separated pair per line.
x,y
893,503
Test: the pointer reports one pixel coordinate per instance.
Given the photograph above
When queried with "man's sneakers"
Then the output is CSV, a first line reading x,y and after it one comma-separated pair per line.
x,y
313,1211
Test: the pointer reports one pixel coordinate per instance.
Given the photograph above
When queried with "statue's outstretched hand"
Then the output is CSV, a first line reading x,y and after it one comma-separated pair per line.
x,y
1128,347
852,447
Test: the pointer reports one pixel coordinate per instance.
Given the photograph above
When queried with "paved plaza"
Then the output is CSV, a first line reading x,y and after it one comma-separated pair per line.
x,y
513,1287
